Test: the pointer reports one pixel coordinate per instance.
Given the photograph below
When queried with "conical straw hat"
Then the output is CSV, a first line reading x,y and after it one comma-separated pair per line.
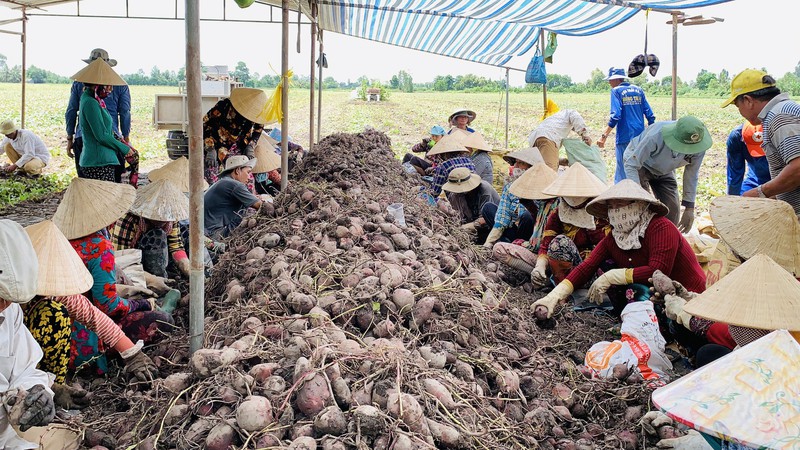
x,y
250,103
624,190
448,144
476,141
759,225
266,158
758,294
530,184
100,73
176,171
530,155
91,205
161,200
576,181
61,270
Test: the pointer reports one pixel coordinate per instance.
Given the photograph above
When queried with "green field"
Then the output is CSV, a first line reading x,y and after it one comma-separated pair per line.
x,y
405,118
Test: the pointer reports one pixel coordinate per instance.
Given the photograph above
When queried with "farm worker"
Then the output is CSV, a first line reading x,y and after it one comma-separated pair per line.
x,y
118,105
232,127
62,280
422,165
520,253
25,150
747,163
151,225
641,241
228,199
19,270
508,219
652,157
480,153
461,119
296,151
449,153
547,136
468,194
571,232
760,102
102,150
629,108
88,208
266,172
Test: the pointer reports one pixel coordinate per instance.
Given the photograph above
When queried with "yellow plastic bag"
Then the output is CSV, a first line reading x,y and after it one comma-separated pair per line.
x,y
273,110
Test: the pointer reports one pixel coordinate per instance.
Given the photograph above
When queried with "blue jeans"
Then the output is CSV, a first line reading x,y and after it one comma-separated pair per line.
x,y
619,175
523,230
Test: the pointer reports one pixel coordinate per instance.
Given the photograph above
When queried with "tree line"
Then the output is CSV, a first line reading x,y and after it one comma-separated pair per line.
x,y
705,83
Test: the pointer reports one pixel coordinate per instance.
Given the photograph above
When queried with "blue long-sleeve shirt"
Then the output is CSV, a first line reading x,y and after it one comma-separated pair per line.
x,y
118,105
629,108
744,169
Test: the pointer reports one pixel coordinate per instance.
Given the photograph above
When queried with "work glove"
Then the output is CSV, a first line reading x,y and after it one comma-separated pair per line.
x,y
687,219
613,277
493,237
184,266
692,441
550,300
69,397
673,308
157,284
211,159
539,274
38,408
138,364
654,420
129,292
469,226
250,150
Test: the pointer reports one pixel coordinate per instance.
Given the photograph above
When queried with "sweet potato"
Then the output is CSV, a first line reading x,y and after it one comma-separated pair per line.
x,y
444,435
423,310
313,395
256,253
254,414
406,408
221,437
330,420
178,381
369,420
663,284
507,381
341,393
206,361
303,443
439,392
403,299
436,360
384,328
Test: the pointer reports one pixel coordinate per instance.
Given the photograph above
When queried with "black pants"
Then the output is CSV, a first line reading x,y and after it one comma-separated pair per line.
x,y
77,148
523,230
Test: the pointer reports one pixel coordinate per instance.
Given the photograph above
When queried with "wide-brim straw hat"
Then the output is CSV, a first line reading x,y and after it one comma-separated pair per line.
x,y
176,171
530,155
61,270
758,294
475,141
759,225
162,201
100,73
235,162
461,180
624,190
250,103
266,158
530,184
91,205
450,143
576,181
462,112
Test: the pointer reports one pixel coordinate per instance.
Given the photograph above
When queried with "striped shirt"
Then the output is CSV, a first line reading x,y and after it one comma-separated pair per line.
x,y
82,310
781,121
443,171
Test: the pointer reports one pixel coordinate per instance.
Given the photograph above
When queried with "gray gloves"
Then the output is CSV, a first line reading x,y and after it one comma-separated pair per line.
x,y
140,365
38,408
250,150
687,219
69,397
211,158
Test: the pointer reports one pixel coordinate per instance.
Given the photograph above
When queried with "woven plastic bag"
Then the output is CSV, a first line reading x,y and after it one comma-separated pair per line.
x,y
536,72
578,151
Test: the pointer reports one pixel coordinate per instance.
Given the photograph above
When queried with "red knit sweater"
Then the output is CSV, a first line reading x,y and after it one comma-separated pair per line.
x,y
663,248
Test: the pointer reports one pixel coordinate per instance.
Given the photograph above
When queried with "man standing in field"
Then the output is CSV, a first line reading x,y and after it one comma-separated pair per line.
x,y
118,105
760,102
629,108
25,150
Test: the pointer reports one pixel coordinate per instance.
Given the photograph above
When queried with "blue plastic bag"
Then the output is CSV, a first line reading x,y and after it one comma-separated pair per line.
x,y
536,72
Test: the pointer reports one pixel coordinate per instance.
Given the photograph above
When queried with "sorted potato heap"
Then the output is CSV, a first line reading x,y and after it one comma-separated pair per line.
x,y
332,325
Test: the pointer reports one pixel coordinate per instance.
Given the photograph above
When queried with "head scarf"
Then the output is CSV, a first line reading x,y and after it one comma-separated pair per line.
x,y
578,217
629,223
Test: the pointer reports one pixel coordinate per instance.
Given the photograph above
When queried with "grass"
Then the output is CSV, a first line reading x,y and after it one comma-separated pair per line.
x,y
406,117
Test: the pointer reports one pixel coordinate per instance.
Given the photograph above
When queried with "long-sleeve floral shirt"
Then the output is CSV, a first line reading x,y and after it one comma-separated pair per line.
x,y
97,254
227,131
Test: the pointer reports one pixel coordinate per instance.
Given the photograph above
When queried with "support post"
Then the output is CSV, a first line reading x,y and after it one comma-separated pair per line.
x,y
285,96
544,86
313,74
24,39
674,66
506,108
196,158
319,90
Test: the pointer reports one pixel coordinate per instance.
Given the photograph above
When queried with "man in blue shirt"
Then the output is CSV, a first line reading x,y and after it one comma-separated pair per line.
x,y
745,152
629,108
118,104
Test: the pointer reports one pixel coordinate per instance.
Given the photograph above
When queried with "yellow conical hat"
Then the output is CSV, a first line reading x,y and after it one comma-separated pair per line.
x,y
91,205
531,183
61,270
100,73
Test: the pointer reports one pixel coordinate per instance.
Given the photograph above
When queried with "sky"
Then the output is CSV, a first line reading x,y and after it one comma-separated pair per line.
x,y
59,43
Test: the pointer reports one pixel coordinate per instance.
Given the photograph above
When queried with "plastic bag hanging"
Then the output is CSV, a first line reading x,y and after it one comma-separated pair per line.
x,y
550,48
536,72
273,111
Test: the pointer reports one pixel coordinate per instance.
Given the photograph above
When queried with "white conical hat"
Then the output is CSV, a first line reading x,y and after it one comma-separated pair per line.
x,y
475,141
91,205
100,73
624,190
266,158
176,171
531,183
530,155
161,200
61,270
449,143
576,181
250,103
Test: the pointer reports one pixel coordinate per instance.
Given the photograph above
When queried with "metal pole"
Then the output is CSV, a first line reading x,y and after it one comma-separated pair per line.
x,y
544,86
285,97
506,108
196,225
319,89
311,87
674,66
23,38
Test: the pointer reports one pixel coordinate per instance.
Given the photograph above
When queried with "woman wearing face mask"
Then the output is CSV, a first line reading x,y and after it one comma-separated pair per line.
x,y
642,241
100,147
508,219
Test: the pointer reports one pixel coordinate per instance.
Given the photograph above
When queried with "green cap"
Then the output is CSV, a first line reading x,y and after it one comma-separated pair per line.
x,y
686,135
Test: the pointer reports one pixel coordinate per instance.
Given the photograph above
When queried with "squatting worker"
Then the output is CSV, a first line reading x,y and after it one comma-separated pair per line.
x,y
228,199
24,149
547,136
118,105
629,108
652,157
760,102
